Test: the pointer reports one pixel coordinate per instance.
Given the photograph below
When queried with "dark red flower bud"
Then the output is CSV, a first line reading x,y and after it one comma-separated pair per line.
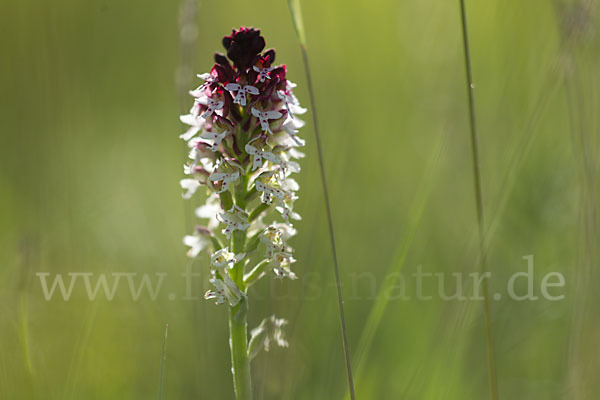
x,y
268,58
279,73
275,83
223,62
243,47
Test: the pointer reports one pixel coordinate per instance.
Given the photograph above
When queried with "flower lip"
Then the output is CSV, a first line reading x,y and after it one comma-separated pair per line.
x,y
243,46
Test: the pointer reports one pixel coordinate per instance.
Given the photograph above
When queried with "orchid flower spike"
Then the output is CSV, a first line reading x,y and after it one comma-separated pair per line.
x,y
242,132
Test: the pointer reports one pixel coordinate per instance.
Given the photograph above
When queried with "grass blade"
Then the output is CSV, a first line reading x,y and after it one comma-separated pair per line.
x,y
75,366
296,14
383,298
163,359
492,376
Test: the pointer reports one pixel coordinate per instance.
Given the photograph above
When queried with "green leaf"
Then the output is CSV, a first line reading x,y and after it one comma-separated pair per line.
x,y
216,242
252,242
226,200
257,211
256,273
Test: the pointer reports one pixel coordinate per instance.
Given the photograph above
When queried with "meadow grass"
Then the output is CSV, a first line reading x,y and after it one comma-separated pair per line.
x,y
383,297
491,352
296,14
89,174
163,361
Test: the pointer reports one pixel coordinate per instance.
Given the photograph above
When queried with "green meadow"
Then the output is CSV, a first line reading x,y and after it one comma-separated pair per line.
x,y
90,163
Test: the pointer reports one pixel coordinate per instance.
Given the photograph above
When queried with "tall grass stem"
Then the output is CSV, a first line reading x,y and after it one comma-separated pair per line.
x,y
296,14
492,376
163,359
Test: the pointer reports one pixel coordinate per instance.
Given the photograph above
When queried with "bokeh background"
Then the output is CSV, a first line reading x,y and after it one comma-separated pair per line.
x,y
90,163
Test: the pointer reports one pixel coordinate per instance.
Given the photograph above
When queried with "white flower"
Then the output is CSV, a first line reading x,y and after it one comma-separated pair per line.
x,y
287,213
294,153
234,219
198,101
291,166
210,210
263,73
290,102
257,159
289,184
282,261
196,242
287,204
273,238
208,80
195,123
226,178
216,137
225,290
191,185
264,117
278,251
201,153
213,106
226,171
240,97
291,126
227,174
258,155
286,231
223,258
269,330
268,192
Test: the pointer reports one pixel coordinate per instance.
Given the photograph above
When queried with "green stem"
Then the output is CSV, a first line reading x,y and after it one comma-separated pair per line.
x,y
239,351
238,326
492,374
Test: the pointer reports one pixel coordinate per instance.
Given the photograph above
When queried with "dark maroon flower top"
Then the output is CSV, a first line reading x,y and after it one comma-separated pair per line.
x,y
243,46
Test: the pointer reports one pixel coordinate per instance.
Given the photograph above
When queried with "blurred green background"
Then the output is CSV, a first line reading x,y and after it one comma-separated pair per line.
x,y
90,163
